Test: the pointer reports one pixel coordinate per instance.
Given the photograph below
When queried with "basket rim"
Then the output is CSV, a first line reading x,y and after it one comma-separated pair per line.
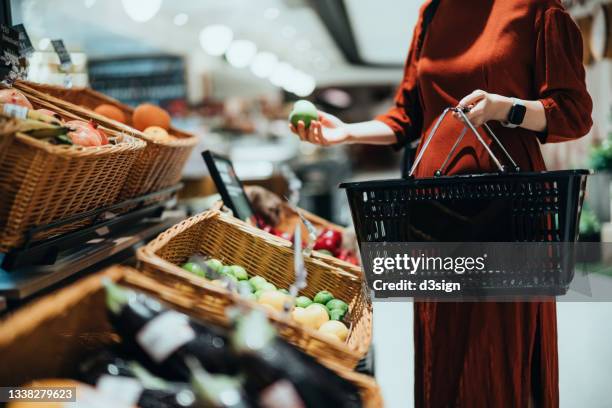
x,y
181,139
400,182
80,151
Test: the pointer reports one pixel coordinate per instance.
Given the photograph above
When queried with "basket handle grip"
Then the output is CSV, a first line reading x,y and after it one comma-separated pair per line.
x,y
468,125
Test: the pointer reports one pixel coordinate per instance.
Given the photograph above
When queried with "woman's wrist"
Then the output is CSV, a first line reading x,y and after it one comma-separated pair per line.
x,y
503,104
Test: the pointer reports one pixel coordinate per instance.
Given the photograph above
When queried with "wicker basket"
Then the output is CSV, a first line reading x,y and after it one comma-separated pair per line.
x,y
235,242
49,338
160,164
289,219
42,183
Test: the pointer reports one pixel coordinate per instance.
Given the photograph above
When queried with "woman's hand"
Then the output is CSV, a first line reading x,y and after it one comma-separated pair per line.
x,y
327,131
484,106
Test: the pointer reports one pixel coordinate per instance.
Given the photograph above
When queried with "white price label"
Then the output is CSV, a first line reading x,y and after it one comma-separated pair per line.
x,y
165,334
125,390
15,111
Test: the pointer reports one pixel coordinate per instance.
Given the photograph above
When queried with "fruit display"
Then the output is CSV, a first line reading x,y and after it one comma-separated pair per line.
x,y
311,313
303,111
48,125
329,241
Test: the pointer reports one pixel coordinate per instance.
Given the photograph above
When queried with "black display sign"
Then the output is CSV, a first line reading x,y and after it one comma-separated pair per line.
x,y
63,54
25,45
11,66
228,185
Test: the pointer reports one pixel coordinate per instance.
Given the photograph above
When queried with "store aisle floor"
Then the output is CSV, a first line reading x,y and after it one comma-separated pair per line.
x,y
585,352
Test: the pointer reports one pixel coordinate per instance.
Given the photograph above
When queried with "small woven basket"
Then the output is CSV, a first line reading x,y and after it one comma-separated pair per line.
x,y
42,183
52,336
235,242
159,165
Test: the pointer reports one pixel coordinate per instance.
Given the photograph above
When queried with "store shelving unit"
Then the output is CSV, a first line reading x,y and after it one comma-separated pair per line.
x,y
38,265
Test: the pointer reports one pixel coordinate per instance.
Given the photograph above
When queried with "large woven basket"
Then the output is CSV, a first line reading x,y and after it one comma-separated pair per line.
x,y
42,183
49,338
235,242
159,165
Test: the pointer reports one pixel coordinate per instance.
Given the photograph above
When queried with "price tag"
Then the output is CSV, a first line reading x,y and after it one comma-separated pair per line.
x,y
25,45
63,54
12,67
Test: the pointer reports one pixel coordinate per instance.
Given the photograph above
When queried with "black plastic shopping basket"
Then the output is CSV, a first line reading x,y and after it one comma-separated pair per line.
x,y
508,206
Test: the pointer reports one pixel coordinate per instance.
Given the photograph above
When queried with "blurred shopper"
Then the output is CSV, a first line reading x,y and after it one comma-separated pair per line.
x,y
517,61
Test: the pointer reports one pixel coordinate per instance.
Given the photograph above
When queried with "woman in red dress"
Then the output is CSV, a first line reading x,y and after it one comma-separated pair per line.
x,y
495,57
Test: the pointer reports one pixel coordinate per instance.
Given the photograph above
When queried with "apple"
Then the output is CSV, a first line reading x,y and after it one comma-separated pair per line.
x,y
304,111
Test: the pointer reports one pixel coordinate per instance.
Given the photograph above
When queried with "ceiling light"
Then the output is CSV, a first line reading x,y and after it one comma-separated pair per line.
x,y
302,45
181,19
44,43
216,39
89,3
304,84
282,75
141,10
241,53
271,13
288,32
263,64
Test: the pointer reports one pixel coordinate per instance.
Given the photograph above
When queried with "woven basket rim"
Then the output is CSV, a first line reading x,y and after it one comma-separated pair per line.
x,y
163,238
80,151
180,137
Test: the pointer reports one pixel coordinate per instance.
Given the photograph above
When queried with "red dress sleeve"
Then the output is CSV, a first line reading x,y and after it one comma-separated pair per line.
x,y
560,77
405,116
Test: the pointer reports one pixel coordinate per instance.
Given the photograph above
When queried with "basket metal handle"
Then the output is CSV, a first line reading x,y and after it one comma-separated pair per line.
x,y
468,125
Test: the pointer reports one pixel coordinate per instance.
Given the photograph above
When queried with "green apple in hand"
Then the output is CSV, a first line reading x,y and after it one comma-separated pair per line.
x,y
305,111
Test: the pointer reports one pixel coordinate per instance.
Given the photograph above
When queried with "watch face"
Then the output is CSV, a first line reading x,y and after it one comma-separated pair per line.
x,y
517,114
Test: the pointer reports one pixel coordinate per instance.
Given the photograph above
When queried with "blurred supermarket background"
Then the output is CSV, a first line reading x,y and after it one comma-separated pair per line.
x,y
229,71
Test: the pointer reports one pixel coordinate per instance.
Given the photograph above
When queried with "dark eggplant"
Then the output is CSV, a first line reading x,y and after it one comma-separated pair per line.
x,y
163,338
276,370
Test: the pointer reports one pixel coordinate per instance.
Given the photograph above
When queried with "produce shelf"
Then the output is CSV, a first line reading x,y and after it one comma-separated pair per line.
x,y
45,252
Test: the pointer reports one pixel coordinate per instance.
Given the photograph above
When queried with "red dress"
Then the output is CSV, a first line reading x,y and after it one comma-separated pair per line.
x,y
490,354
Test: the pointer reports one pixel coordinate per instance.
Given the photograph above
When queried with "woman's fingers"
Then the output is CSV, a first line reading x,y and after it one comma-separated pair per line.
x,y
302,130
476,115
472,98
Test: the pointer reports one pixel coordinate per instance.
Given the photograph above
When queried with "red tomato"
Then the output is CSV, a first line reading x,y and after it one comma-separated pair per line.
x,y
329,240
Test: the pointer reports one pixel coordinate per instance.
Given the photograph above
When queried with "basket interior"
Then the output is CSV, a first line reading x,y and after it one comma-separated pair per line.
x,y
220,239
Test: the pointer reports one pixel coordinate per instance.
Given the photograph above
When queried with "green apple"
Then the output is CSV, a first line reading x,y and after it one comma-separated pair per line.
x,y
304,111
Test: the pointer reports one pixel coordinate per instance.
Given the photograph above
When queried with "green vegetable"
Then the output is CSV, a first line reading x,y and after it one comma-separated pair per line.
x,y
304,111
336,304
337,314
285,291
239,272
63,139
194,268
257,282
323,297
249,296
258,293
267,286
214,264
225,271
303,301
325,251
244,287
